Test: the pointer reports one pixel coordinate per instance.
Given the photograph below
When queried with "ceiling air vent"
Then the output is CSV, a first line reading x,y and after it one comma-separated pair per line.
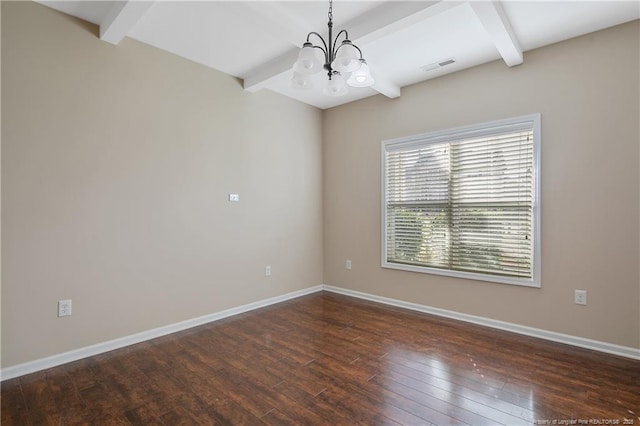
x,y
437,65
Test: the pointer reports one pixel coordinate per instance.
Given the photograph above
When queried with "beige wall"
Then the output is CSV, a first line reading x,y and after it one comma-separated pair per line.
x,y
117,161
116,165
587,90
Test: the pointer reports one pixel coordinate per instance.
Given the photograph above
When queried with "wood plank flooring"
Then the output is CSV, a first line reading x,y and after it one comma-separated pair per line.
x,y
331,359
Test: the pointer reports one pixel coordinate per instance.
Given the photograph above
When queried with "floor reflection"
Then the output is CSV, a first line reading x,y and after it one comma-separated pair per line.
x,y
463,392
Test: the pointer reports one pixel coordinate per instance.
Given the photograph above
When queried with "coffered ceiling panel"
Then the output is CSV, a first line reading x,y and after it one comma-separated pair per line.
x,y
404,42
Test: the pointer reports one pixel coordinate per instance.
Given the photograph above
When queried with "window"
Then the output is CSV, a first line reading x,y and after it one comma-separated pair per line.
x,y
464,202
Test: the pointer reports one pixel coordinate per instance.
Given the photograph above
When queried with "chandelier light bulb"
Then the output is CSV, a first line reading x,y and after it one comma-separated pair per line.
x,y
347,58
362,76
310,60
336,86
301,81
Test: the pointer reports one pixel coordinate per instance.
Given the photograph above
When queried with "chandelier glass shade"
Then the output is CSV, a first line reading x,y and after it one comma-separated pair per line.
x,y
301,81
361,77
336,60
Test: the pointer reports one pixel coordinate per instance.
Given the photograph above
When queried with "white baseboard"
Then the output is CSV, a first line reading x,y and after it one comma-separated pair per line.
x,y
74,355
595,345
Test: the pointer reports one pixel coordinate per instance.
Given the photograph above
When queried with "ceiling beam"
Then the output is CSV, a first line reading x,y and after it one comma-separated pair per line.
x,y
376,23
495,22
386,87
260,77
272,17
121,19
393,16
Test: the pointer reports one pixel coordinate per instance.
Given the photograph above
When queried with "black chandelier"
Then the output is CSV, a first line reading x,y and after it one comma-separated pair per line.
x,y
337,60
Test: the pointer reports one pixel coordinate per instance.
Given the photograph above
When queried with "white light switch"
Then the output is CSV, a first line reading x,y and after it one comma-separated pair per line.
x,y
234,197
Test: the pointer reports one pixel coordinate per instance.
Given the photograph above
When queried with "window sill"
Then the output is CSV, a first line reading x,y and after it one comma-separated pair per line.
x,y
524,282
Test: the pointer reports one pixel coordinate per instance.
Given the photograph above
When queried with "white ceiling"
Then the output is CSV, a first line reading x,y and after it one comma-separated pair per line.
x,y
258,41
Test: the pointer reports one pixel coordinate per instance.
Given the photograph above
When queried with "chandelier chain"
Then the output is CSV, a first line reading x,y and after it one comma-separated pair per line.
x,y
330,14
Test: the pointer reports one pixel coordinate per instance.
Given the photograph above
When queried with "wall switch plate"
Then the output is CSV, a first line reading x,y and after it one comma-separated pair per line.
x,y
580,297
234,197
267,271
64,308
347,264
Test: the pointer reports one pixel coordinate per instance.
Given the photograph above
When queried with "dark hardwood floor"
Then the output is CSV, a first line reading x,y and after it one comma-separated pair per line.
x,y
331,359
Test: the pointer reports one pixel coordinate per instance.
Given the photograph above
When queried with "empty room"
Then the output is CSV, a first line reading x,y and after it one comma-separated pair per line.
x,y
320,212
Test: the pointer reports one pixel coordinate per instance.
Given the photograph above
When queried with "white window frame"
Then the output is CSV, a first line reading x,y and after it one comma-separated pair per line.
x,y
459,133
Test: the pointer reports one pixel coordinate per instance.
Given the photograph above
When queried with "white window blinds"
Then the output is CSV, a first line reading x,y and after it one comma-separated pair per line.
x,y
464,201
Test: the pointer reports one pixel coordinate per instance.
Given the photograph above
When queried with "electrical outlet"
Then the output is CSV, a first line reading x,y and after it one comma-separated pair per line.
x,y
267,271
64,308
347,264
234,197
580,297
